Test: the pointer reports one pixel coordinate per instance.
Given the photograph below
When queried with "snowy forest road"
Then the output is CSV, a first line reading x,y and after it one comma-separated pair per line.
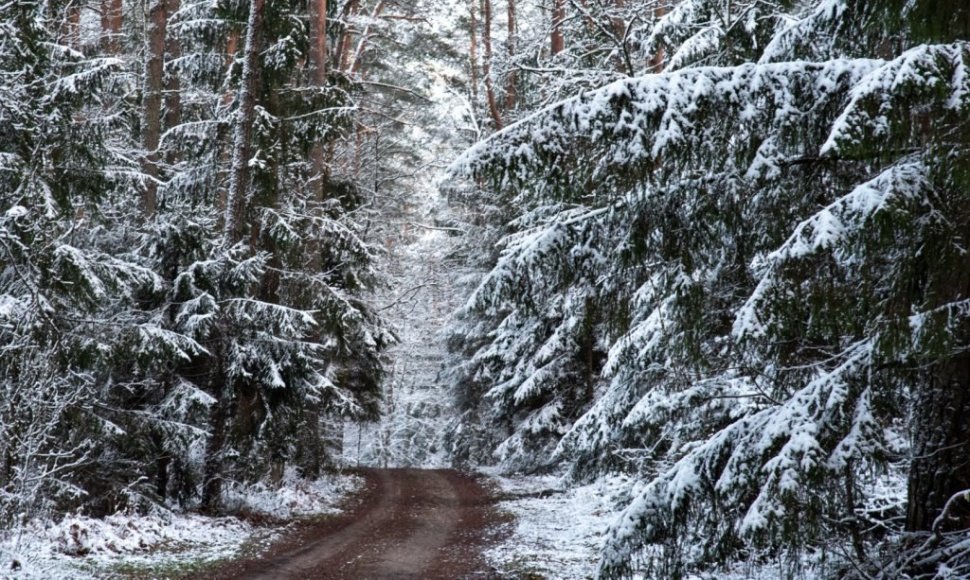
x,y
407,523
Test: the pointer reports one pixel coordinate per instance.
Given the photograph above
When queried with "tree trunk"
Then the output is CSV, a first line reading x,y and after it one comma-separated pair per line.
x,y
225,155
152,103
358,56
941,443
71,28
617,22
487,63
343,55
173,89
162,462
473,50
214,449
557,41
656,62
111,19
237,201
215,444
510,95
318,78
318,42
237,197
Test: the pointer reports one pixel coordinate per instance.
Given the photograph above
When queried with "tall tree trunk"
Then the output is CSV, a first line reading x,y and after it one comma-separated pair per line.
x,y
510,95
162,462
358,56
940,423
152,103
173,89
70,29
242,149
342,58
111,20
557,41
656,62
318,42
617,22
487,63
237,202
318,78
473,49
215,445
941,443
225,155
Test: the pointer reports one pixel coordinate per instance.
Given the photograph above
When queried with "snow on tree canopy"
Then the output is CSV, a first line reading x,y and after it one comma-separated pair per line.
x,y
768,256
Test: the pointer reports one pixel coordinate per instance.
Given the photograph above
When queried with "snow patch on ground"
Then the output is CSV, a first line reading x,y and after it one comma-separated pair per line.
x,y
558,531
295,498
82,547
163,543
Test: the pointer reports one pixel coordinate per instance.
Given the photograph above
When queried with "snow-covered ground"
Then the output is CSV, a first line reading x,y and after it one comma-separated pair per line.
x,y
164,543
558,531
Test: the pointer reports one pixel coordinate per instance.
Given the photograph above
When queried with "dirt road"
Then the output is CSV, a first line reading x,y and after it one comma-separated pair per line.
x,y
408,523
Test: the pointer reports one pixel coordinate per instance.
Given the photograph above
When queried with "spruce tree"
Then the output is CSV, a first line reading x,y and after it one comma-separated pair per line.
x,y
775,248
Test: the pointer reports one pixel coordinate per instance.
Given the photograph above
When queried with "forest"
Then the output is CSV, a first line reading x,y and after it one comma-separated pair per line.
x,y
718,248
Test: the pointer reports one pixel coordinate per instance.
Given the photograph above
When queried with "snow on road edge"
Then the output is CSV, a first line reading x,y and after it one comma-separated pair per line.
x,y
558,531
84,547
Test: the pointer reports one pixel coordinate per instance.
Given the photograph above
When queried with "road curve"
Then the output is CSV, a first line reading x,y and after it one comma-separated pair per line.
x,y
408,524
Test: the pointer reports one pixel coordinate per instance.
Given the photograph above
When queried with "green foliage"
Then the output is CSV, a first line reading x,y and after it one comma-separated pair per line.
x,y
131,342
775,244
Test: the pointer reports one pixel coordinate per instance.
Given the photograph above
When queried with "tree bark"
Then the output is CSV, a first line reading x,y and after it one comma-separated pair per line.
x,y
941,443
318,42
111,20
318,78
225,155
617,22
214,447
656,62
152,103
237,197
70,30
342,58
173,51
487,63
557,40
510,94
473,50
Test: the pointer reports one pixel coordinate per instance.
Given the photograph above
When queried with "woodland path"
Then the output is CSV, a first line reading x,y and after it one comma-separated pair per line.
x,y
407,523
